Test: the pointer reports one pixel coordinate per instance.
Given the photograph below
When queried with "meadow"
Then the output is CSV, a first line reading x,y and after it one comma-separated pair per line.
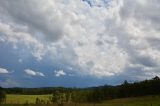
x,y
22,99
133,101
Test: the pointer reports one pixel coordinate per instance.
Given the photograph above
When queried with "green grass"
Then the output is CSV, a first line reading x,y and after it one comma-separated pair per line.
x,y
136,101
22,99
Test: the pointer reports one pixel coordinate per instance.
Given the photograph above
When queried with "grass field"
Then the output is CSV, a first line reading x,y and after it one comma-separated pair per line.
x,y
22,99
137,101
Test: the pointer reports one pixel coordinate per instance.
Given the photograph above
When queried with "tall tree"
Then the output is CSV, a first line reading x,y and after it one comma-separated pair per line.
x,y
2,96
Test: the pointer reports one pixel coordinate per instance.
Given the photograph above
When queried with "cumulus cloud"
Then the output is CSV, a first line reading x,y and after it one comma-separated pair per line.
x,y
3,71
59,73
33,73
41,20
139,20
100,39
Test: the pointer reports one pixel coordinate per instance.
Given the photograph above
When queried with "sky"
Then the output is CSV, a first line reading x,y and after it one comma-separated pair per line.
x,y
78,43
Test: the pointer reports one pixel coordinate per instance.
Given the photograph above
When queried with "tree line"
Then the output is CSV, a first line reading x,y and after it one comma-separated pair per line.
x,y
63,95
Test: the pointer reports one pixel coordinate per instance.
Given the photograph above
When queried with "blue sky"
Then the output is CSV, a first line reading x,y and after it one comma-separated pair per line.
x,y
78,43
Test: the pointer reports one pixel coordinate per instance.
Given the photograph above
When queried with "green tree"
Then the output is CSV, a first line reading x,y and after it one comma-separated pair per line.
x,y
2,96
54,97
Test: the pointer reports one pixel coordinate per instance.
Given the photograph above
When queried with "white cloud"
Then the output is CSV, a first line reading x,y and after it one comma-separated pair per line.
x,y
40,74
3,71
59,73
33,73
18,37
102,40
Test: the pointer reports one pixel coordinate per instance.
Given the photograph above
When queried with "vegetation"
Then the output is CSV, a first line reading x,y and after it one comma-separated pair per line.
x,y
23,99
131,101
93,95
2,96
